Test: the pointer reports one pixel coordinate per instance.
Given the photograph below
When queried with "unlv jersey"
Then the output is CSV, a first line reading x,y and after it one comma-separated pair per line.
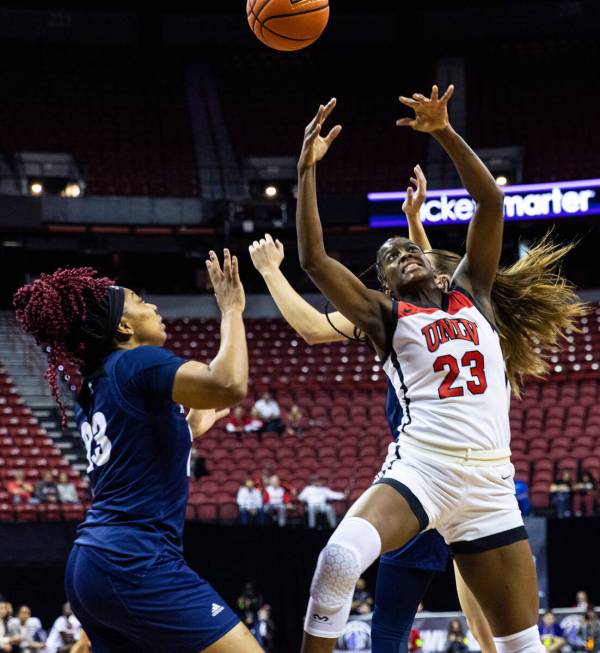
x,y
447,369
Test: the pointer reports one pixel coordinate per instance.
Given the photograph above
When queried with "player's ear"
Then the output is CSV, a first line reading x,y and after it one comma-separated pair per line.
x,y
442,281
124,330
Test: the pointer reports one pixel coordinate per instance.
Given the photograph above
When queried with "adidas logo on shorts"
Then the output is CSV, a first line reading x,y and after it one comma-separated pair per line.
x,y
216,609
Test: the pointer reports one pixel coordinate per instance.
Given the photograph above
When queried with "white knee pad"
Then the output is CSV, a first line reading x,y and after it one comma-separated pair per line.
x,y
353,547
527,641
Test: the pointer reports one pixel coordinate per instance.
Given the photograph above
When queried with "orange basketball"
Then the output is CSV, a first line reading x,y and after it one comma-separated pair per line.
x,y
287,24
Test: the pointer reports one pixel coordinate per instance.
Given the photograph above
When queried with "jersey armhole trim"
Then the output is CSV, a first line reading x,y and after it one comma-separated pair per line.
x,y
393,326
475,303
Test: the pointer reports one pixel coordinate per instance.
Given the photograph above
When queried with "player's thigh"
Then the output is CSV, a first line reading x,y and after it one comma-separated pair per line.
x,y
504,583
478,624
236,640
389,512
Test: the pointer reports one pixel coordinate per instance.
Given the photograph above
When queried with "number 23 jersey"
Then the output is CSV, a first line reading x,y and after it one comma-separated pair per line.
x,y
447,370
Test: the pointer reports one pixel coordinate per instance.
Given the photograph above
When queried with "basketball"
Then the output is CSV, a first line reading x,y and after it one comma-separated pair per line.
x,y
287,24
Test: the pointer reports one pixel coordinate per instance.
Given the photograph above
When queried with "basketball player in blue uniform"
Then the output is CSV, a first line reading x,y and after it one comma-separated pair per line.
x,y
405,574
126,577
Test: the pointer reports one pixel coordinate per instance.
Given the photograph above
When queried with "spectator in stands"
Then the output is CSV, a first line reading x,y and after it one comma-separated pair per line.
x,y
295,421
582,600
551,633
560,494
250,503
46,490
5,645
198,464
237,423
362,601
67,492
270,413
522,494
277,500
26,632
265,627
456,642
249,601
316,496
584,495
64,633
20,489
255,424
415,643
588,634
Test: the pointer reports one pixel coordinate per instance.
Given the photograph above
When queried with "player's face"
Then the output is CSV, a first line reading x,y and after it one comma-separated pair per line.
x,y
144,320
403,265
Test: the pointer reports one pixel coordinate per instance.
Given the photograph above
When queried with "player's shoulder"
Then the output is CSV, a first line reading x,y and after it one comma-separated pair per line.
x,y
130,362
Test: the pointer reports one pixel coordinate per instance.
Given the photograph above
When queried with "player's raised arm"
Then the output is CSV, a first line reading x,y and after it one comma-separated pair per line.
x,y
313,326
367,309
478,269
415,197
224,381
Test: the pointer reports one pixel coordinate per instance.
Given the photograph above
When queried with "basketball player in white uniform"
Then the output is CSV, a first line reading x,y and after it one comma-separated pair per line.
x,y
450,469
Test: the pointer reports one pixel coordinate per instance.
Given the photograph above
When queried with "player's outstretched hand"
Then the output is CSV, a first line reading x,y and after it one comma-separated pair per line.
x,y
266,254
226,283
431,114
415,198
315,146
201,420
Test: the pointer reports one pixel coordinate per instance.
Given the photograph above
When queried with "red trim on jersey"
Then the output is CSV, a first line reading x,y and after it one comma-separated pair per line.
x,y
456,301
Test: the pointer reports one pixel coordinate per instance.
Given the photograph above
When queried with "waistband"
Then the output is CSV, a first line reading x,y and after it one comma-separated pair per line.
x,y
468,457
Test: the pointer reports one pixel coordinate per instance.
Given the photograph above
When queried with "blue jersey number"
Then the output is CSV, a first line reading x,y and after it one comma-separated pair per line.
x,y
97,445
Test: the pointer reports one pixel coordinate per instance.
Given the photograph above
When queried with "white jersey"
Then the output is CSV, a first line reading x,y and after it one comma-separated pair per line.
x,y
447,369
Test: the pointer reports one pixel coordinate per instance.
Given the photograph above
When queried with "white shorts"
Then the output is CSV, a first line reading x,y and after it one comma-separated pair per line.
x,y
473,507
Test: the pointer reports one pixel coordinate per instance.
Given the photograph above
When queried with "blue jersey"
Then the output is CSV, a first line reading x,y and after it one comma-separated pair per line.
x,y
427,550
138,447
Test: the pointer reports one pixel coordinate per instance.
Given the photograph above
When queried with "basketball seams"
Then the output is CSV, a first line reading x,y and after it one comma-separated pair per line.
x,y
283,36
308,11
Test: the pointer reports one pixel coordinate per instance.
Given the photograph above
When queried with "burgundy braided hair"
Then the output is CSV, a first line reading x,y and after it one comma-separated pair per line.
x,y
60,311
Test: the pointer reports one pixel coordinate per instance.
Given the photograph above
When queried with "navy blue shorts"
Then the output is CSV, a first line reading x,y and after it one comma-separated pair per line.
x,y
169,608
425,551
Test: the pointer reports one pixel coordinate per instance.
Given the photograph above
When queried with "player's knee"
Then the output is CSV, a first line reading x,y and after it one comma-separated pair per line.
x,y
338,570
526,641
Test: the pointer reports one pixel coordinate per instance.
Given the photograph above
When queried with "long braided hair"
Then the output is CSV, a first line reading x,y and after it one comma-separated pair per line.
x,y
66,313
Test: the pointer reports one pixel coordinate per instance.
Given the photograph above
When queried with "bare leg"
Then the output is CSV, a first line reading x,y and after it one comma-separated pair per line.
x,y
476,620
504,583
238,639
390,514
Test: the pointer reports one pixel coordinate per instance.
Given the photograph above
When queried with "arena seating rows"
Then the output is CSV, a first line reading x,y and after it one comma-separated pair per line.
x,y
371,153
554,148
340,390
24,445
126,124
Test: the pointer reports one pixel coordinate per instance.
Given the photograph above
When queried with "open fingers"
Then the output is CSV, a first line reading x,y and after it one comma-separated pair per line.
x,y
213,267
329,107
220,414
448,94
235,270
409,194
333,134
422,180
419,97
279,245
406,122
434,93
408,101
227,263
